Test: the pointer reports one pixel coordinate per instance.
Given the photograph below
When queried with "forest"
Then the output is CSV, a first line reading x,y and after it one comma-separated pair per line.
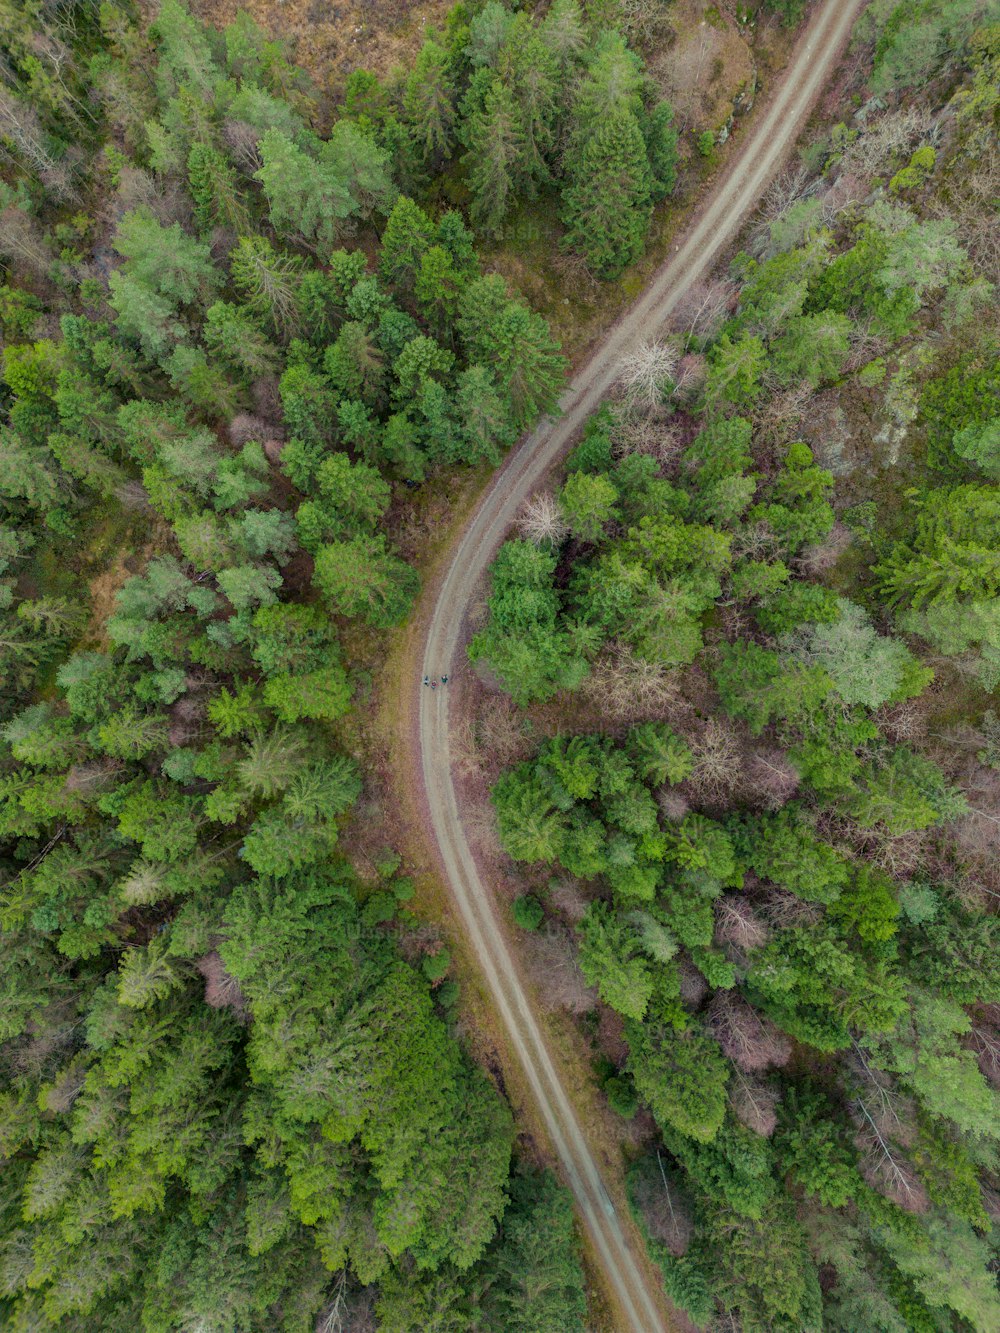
x,y
754,773
233,1096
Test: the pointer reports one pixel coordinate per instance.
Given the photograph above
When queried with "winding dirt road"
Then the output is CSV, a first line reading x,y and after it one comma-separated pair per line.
x,y
717,222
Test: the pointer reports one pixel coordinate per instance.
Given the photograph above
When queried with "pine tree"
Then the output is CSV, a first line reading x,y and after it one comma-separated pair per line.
x,y
270,280
215,190
428,102
530,69
496,158
306,198
408,234
608,205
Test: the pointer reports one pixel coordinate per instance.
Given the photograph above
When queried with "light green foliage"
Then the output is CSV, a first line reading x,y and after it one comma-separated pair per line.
x,y
947,559
755,686
814,1149
734,1168
659,754
164,259
140,804
515,344
980,445
812,348
428,103
269,282
817,989
913,47
797,509
523,641
227,1101
920,166
866,667
612,960
386,1091
352,497
782,848
926,1054
495,160
588,504
735,370
362,577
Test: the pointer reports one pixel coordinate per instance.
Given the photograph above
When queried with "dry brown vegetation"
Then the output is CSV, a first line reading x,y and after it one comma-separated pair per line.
x,y
706,66
333,40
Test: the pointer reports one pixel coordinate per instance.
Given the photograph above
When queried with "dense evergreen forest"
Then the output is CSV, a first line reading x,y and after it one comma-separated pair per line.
x,y
233,1096
754,645
758,771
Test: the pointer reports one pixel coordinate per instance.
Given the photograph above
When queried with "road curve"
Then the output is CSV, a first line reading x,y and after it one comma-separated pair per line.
x,y
717,222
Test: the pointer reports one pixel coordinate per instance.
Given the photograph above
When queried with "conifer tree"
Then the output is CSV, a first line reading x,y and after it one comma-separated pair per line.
x,y
495,160
608,205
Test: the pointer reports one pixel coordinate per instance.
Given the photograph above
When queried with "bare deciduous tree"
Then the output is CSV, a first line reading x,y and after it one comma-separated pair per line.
x,y
737,924
60,1094
646,374
673,804
692,371
551,959
865,344
882,1161
971,202
242,139
663,1209
985,1041
346,1310
754,541
567,897
751,1041
885,138
500,732
92,777
222,990
628,686
246,426
773,778
777,417
21,240
574,271
900,856
824,555
780,195
481,826
20,125
718,761
541,520
754,1103
782,909
644,22
703,309
466,756
693,985
185,720
638,432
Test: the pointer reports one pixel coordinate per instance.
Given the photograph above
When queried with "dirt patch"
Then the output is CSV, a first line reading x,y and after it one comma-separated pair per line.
x,y
116,556
333,40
